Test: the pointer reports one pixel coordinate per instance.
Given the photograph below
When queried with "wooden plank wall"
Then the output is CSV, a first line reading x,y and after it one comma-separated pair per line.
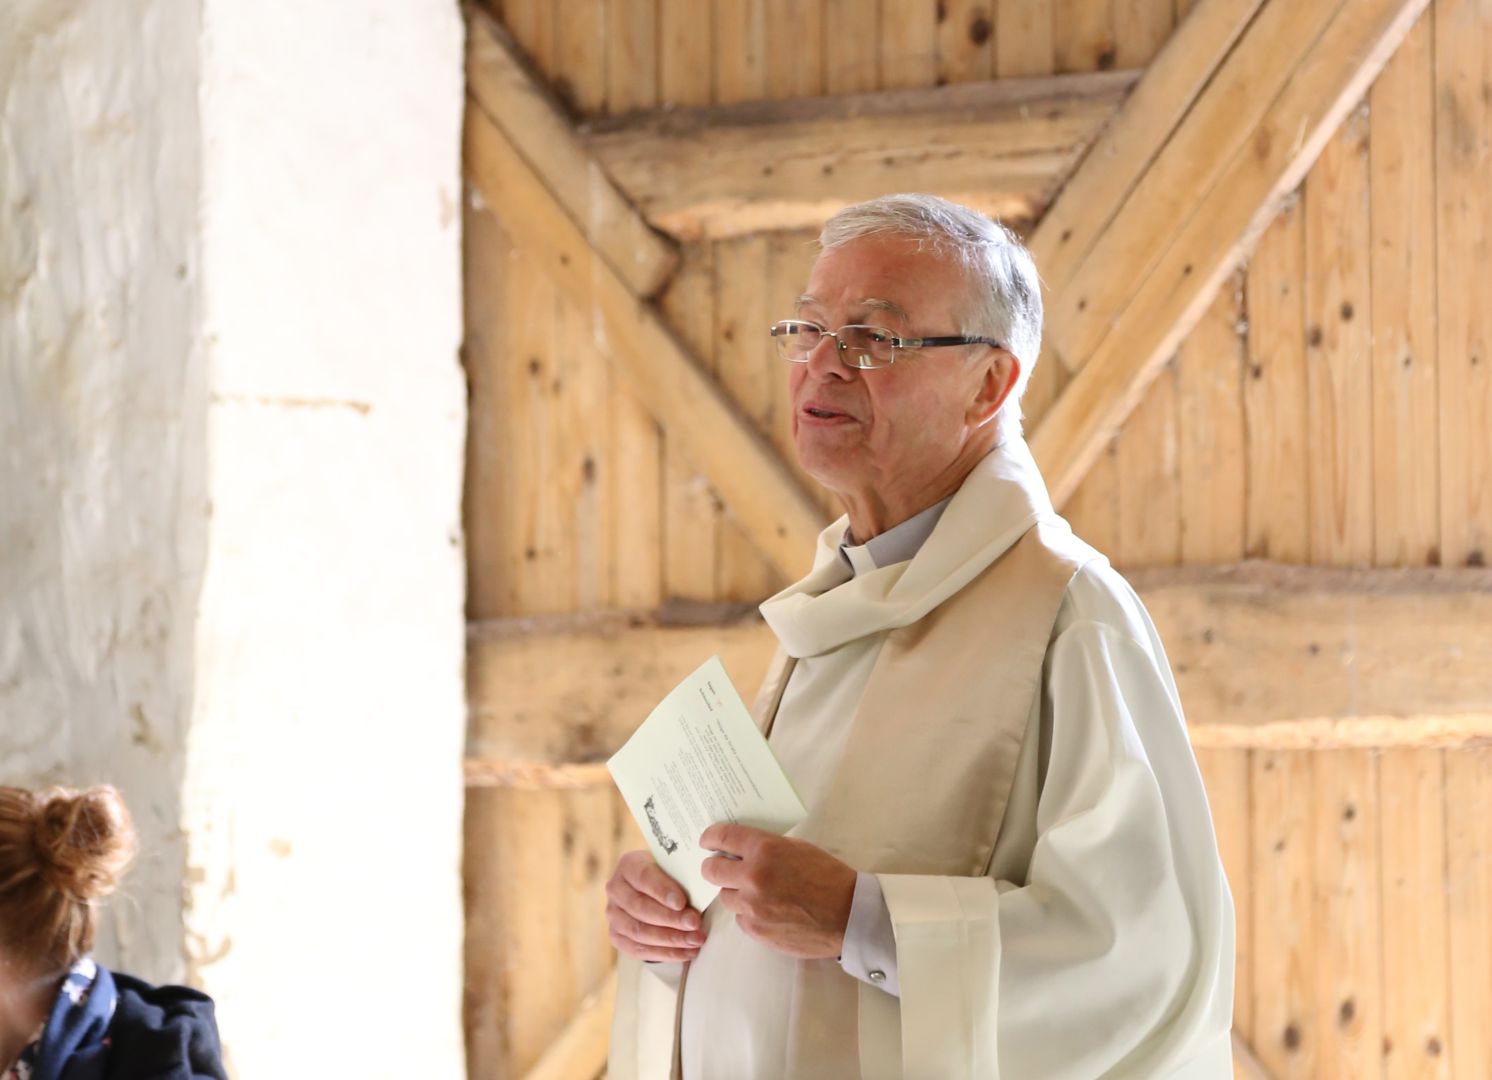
x,y
1332,408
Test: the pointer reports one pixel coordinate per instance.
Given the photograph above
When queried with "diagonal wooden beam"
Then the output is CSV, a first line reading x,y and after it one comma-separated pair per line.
x,y
580,1051
1205,238
1090,200
500,80
1003,147
774,510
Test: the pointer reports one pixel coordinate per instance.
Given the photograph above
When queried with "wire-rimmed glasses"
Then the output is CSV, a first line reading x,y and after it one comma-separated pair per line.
x,y
858,346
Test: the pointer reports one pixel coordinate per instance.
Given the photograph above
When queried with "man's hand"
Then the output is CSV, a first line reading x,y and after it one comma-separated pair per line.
x,y
788,894
648,912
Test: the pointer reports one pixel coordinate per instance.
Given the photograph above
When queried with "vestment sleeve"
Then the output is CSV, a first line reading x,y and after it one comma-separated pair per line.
x,y
1116,954
869,951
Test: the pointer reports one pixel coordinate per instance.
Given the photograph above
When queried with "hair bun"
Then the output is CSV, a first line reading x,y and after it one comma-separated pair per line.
x,y
84,840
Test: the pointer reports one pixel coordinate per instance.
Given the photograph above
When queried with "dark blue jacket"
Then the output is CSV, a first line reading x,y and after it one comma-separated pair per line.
x,y
154,1033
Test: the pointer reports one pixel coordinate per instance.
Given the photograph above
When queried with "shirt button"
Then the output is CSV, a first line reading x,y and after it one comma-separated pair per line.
x,y
877,975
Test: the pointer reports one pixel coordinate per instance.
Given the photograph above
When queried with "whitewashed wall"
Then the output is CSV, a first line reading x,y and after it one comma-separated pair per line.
x,y
233,413
103,505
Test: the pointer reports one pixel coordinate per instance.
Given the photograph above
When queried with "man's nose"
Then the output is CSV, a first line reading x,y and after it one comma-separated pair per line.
x,y
824,360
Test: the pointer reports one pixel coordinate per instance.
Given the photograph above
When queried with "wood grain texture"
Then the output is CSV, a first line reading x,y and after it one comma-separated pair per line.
x,y
852,46
1339,351
580,55
748,370
1349,926
1406,458
1286,951
1082,35
1226,775
1214,239
966,41
1416,975
1023,38
1262,655
1001,147
691,507
1093,509
1166,92
1149,475
1468,885
527,707
795,48
632,58
1163,96
1334,644
1212,436
534,121
1274,394
1463,242
1141,29
909,44
685,29
656,371
1197,156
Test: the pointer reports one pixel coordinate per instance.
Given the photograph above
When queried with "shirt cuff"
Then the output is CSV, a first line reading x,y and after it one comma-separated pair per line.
x,y
869,952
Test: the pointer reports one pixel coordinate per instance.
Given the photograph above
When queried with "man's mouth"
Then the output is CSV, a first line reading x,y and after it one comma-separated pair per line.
x,y
822,412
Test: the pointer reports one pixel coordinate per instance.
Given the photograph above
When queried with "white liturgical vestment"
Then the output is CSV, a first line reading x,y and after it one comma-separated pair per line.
x,y
991,729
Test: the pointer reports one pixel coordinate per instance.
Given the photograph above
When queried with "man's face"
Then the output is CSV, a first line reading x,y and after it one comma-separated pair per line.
x,y
898,427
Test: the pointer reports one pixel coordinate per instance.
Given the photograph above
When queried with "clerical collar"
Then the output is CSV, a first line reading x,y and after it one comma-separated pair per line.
x,y
897,544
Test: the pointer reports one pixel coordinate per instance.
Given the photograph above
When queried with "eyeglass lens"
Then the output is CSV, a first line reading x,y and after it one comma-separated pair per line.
x,y
796,339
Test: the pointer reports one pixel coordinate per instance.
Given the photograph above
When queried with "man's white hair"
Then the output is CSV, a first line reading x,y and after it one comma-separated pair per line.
x,y
1004,290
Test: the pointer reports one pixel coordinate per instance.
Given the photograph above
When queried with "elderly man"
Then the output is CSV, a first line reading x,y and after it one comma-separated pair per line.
x,y
1008,867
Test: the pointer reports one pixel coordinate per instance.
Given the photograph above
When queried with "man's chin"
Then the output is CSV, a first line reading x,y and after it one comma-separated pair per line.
x,y
834,470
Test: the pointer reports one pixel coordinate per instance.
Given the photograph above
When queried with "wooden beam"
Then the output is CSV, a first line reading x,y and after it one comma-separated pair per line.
x,y
1207,238
1253,54
509,92
1269,655
1245,1062
580,1051
1003,147
571,689
776,513
1091,198
1264,656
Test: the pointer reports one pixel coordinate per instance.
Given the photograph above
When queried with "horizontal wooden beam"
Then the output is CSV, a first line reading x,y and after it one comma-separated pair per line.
x,y
1308,656
1004,147
510,93
1120,340
1264,656
563,692
774,511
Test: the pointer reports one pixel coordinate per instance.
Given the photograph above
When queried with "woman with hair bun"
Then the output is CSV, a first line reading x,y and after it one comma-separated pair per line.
x,y
62,1017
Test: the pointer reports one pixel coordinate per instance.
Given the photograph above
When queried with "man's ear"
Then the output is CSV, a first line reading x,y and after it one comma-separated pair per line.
x,y
1001,372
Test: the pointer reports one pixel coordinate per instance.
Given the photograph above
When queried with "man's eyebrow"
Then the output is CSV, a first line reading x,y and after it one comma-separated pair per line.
x,y
870,303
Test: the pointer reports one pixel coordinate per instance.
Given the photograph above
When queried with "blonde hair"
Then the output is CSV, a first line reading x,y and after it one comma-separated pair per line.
x,y
61,852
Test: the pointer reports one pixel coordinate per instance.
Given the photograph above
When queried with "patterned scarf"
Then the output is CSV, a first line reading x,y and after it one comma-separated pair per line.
x,y
78,1019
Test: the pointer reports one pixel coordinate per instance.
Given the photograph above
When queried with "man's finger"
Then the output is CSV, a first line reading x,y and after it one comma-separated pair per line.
x,y
730,900
643,907
728,837
648,878
649,934
724,871
624,944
